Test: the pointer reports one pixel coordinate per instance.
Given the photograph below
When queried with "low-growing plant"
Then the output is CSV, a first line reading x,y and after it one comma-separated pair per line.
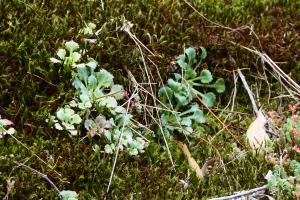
x,y
179,111
5,127
282,184
96,106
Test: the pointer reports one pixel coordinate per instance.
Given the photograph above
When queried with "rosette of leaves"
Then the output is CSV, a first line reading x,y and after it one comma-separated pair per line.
x,y
66,119
97,94
179,113
96,107
69,56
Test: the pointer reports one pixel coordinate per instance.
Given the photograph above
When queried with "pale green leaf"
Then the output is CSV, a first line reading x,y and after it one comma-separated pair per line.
x,y
109,148
60,114
75,57
198,116
186,122
76,119
92,63
68,195
61,53
205,76
109,102
54,60
71,46
117,91
105,79
180,99
191,54
10,131
203,53
181,62
209,99
219,85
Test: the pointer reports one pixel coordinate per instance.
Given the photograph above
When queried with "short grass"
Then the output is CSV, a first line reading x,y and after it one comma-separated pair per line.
x,y
31,88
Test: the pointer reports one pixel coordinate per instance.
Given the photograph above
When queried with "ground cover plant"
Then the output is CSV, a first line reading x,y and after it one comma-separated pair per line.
x,y
143,100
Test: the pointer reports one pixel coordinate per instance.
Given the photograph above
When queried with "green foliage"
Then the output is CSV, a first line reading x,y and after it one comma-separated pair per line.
x,y
280,183
73,57
68,195
5,127
179,113
95,105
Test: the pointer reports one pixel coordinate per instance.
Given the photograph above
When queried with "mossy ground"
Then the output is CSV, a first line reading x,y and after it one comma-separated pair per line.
x,y
31,88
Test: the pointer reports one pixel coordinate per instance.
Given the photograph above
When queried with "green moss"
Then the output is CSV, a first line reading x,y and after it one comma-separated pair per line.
x,y
31,88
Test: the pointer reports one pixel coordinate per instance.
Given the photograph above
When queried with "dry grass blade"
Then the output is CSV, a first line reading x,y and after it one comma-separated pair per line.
x,y
192,162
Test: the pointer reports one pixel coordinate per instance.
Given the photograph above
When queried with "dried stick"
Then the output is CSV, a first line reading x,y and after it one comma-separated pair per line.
x,y
248,91
242,194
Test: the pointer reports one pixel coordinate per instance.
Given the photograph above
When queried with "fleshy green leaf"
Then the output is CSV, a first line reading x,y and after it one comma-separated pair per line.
x,y
109,148
203,53
186,121
92,82
92,63
205,76
68,195
182,100
123,119
181,62
209,99
61,53
71,46
109,102
60,114
117,91
219,85
133,152
165,94
177,76
190,74
75,57
54,60
76,119
105,79
198,116
191,54
10,131
174,85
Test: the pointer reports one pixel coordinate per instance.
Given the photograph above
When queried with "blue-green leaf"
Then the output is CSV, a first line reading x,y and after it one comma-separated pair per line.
x,y
205,76
181,62
117,91
68,195
219,85
61,53
105,79
186,122
209,99
198,116
191,54
203,53
71,46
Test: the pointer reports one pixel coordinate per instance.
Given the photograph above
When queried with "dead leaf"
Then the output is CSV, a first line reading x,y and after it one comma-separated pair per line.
x,y
192,162
256,133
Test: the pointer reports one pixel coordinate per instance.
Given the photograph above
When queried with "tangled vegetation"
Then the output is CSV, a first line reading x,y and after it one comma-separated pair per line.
x,y
97,100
